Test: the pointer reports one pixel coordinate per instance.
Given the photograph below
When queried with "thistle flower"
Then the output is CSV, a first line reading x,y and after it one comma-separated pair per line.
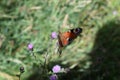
x,y
30,46
53,35
56,69
53,77
22,69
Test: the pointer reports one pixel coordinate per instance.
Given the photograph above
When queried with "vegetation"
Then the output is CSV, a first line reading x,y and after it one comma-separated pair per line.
x,y
92,56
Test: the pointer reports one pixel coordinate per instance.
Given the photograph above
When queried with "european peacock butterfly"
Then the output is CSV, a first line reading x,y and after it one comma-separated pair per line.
x,y
66,38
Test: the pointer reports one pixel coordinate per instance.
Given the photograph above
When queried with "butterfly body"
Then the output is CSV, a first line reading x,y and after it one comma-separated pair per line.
x,y
66,38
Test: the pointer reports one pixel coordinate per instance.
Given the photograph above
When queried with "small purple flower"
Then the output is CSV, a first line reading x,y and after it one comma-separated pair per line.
x,y
53,35
53,77
56,68
30,46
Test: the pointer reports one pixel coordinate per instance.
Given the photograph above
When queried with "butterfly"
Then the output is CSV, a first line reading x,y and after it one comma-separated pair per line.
x,y
66,38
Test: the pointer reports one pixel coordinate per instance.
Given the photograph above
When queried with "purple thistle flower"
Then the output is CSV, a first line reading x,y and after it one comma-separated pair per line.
x,y
30,46
56,69
53,77
53,35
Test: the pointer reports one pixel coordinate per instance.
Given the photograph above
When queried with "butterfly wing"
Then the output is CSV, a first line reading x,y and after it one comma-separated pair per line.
x,y
66,38
63,39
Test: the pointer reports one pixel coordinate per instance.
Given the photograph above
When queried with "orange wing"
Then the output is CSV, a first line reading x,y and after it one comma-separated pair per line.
x,y
67,37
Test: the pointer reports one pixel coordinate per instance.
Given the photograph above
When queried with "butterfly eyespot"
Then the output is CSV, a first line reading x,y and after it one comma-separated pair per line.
x,y
69,39
77,30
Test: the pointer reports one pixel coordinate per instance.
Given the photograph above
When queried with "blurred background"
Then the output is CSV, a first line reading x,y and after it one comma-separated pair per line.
x,y
93,56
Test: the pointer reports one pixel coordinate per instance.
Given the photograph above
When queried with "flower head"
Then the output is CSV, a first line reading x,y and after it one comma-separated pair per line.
x,y
30,46
22,69
53,77
56,68
53,35
115,12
